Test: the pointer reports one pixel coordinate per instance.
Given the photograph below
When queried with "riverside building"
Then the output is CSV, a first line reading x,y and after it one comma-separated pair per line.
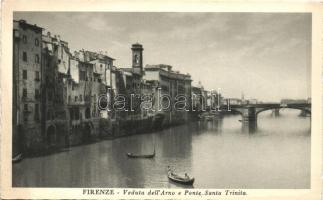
x,y
56,93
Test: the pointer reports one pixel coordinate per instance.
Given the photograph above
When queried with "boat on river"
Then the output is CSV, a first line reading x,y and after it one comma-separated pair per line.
x,y
17,158
132,155
186,180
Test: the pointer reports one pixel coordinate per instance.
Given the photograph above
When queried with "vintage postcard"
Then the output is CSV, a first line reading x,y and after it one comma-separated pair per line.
x,y
161,100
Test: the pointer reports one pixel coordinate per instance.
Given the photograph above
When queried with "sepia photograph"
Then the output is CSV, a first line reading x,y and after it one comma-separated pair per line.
x,y
161,100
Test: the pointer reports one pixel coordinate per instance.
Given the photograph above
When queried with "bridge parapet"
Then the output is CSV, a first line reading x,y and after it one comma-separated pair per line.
x,y
254,109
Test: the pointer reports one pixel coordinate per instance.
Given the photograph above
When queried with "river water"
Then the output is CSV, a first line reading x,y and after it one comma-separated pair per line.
x,y
218,154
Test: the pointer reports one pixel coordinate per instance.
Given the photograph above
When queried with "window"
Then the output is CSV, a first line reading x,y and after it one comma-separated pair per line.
x,y
36,58
24,56
101,67
37,94
74,114
75,99
24,39
48,115
37,75
82,75
24,93
59,61
50,96
24,74
77,114
36,42
25,107
81,98
87,113
69,99
36,116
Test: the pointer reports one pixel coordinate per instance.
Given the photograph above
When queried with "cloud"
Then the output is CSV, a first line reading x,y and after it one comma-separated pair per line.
x,y
236,51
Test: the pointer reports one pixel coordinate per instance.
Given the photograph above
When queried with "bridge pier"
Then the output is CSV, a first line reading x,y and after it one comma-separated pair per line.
x,y
275,112
249,114
303,113
249,119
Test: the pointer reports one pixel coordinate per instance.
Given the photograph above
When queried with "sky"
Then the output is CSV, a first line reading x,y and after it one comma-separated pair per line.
x,y
266,56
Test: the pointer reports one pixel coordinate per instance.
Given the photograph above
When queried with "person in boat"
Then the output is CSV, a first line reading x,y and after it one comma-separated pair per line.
x,y
170,170
186,176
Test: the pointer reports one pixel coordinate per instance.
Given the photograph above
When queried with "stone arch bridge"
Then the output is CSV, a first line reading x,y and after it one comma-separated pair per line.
x,y
249,112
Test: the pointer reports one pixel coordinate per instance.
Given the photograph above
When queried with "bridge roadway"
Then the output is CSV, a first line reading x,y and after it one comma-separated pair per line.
x,y
249,112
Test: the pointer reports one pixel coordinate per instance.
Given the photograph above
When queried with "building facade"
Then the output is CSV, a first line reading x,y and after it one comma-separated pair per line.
x,y
57,95
169,87
27,76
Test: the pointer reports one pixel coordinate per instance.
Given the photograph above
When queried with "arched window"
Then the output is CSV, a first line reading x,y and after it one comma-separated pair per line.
x,y
36,42
36,58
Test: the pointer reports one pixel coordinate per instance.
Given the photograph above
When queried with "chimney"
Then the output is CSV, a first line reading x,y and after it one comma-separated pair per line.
x,y
169,68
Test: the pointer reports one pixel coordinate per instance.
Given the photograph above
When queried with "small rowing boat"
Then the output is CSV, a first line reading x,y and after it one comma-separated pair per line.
x,y
186,180
17,158
131,155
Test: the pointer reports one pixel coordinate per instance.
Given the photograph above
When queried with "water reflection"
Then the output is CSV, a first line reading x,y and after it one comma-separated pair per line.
x,y
249,127
218,153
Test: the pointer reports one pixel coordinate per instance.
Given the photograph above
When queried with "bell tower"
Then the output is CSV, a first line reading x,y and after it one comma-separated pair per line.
x,y
137,58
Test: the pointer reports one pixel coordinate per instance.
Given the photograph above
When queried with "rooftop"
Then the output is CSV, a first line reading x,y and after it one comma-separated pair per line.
x,y
24,24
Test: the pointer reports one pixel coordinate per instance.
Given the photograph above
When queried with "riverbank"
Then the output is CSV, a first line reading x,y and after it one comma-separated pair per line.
x,y
66,135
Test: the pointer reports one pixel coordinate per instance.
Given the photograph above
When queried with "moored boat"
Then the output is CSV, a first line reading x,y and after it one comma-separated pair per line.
x,y
131,155
17,158
186,180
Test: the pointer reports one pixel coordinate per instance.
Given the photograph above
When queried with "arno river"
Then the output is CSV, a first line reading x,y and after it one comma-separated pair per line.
x,y
218,155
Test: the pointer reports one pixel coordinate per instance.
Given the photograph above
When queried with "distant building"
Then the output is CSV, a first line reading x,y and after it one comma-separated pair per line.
x,y
199,98
216,99
252,101
290,101
235,101
171,83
